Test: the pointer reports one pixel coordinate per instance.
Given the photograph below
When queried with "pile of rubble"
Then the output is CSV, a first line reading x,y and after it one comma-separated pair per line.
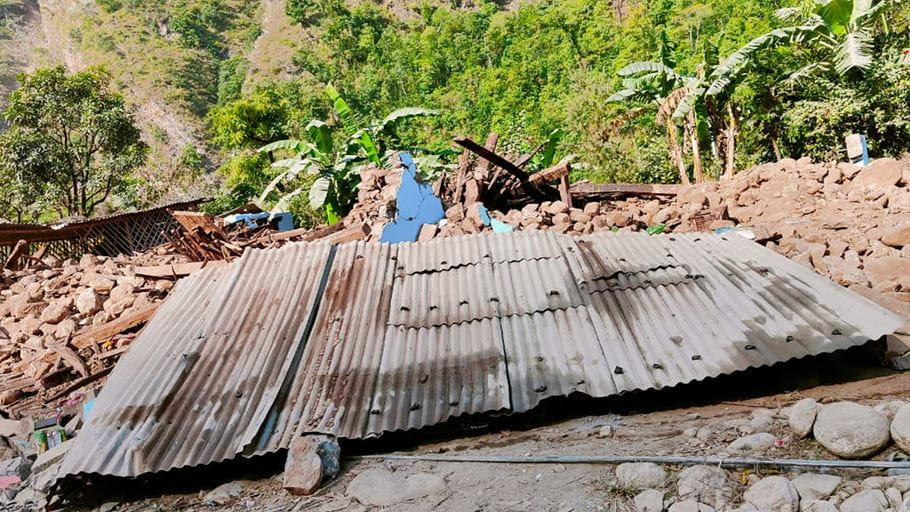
x,y
65,323
847,222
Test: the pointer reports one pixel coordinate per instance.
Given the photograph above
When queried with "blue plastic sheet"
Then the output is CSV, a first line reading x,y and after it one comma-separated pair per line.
x,y
416,205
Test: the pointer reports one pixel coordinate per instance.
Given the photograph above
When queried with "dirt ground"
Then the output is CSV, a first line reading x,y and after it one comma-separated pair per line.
x,y
652,423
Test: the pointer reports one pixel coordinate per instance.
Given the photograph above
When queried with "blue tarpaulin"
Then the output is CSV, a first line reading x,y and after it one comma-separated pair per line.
x,y
416,205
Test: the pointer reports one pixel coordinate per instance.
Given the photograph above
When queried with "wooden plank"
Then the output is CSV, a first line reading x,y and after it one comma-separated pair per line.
x,y
72,359
564,190
111,353
351,234
540,192
307,234
177,269
492,157
553,173
102,332
590,189
492,140
193,220
79,383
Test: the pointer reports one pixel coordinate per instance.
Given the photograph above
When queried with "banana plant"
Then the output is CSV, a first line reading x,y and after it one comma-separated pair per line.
x,y
842,29
658,83
373,137
333,169
335,174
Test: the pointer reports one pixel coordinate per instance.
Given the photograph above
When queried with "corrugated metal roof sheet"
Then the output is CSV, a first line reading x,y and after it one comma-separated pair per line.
x,y
365,338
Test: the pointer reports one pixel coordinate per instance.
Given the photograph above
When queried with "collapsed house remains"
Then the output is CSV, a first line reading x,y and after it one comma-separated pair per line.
x,y
123,233
364,338
262,340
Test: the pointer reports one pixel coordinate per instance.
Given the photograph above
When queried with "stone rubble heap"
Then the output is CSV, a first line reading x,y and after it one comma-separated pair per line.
x,y
42,309
849,223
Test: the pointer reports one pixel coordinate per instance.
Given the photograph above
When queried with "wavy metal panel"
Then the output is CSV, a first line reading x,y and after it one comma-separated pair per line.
x,y
431,374
442,254
200,379
309,338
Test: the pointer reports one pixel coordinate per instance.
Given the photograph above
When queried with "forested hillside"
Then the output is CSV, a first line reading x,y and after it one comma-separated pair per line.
x,y
633,90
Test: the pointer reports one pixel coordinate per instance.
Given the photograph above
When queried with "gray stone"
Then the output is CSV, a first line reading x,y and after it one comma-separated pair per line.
x,y
890,408
690,506
51,456
851,430
17,466
900,428
773,493
88,302
817,506
754,443
869,500
813,486
224,494
640,475
381,488
651,500
802,417
895,500
707,484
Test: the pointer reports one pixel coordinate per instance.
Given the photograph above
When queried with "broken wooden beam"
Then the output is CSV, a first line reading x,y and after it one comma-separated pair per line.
x,y
105,331
351,234
12,263
590,189
307,234
552,173
539,192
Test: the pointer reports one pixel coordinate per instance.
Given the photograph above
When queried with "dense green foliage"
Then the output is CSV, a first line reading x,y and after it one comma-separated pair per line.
x,y
787,87
554,63
70,143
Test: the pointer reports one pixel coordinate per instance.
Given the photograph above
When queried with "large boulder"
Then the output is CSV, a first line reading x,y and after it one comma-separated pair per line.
x,y
881,175
851,430
802,417
814,486
773,493
900,428
707,484
640,475
869,500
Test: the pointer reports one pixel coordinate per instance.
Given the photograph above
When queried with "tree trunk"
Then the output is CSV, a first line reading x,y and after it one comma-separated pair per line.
x,y
696,150
774,147
731,143
676,153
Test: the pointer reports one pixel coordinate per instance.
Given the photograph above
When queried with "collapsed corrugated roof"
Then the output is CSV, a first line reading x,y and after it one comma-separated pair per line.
x,y
364,338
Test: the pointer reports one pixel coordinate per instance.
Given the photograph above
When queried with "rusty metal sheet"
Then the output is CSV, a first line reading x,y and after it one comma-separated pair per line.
x,y
441,254
209,364
310,338
428,375
334,385
554,353
473,292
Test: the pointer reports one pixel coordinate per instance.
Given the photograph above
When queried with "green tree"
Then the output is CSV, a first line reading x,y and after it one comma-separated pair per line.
x,y
71,140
